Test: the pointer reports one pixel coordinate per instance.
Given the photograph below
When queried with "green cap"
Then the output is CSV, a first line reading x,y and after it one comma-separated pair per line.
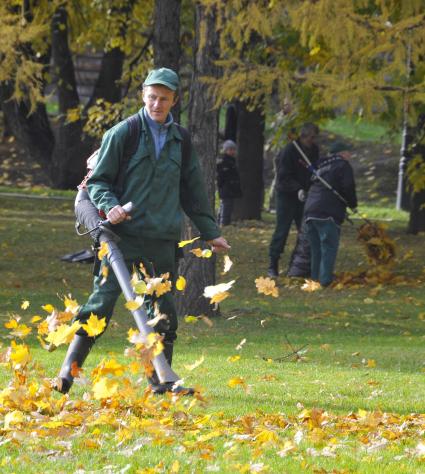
x,y
163,76
338,146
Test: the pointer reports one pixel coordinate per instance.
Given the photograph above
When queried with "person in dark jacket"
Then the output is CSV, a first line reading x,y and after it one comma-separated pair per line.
x,y
325,211
292,183
228,182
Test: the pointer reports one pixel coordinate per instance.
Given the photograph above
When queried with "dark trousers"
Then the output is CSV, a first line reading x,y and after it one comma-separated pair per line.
x,y
225,211
288,209
323,235
157,257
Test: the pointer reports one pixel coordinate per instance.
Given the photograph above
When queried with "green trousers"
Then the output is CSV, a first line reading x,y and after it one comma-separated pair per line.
x,y
158,257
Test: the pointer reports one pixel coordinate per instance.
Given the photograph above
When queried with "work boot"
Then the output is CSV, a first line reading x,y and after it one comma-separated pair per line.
x,y
77,352
159,388
273,271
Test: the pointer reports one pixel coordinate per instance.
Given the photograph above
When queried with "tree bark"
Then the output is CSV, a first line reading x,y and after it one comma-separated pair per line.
x,y
166,39
203,120
70,152
250,140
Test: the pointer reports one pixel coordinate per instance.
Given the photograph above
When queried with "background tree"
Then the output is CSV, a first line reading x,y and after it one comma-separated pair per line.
x,y
203,125
60,146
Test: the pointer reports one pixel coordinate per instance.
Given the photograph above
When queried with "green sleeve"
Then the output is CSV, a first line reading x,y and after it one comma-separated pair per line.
x,y
101,183
194,199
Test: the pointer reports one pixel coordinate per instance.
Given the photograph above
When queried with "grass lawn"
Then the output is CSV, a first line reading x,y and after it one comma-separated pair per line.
x,y
350,402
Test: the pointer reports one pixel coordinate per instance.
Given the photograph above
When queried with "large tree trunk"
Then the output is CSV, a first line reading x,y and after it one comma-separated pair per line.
x,y
200,272
166,39
250,140
69,155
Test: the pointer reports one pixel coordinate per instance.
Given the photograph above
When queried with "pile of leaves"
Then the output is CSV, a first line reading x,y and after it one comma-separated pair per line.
x,y
380,248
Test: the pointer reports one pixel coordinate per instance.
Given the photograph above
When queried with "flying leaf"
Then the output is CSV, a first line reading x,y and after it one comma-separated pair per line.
x,y
63,334
21,331
132,305
181,283
25,304
104,388
35,319
190,319
103,251
183,243
94,325
196,364
227,264
202,253
48,307
267,286
105,273
240,345
218,293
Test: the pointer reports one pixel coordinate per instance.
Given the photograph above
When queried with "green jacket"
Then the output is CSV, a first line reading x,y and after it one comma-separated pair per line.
x,y
159,188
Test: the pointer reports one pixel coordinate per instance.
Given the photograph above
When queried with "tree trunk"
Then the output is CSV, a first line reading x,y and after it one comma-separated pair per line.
x,y
166,39
250,140
33,131
417,213
69,155
203,120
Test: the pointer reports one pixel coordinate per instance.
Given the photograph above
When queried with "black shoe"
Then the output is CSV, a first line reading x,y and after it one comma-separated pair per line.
x,y
273,271
171,387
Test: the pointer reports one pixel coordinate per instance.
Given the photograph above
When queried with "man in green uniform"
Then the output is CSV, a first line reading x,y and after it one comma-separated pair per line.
x,y
160,184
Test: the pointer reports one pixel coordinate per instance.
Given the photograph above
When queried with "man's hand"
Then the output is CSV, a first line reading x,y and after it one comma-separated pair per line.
x,y
117,215
219,244
302,195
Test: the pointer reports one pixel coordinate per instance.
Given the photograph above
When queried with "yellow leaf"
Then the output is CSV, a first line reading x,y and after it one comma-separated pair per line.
x,y
11,324
202,253
71,305
371,363
35,319
159,285
314,51
94,325
235,381
234,358
311,285
13,418
110,366
267,286
135,304
21,331
48,307
181,283
218,293
104,388
105,273
63,334
25,304
140,287
190,319
196,364
183,243
19,355
103,251
175,467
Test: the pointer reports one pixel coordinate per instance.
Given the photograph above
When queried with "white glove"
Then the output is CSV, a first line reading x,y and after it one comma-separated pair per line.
x,y
302,195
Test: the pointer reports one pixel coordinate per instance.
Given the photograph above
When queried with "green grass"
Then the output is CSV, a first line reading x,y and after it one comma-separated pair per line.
x,y
342,331
358,130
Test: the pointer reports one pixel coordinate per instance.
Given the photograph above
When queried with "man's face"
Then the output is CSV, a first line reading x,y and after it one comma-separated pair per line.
x,y
158,102
231,151
309,140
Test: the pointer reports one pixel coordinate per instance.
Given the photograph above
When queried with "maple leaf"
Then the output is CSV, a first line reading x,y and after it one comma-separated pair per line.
x,y
181,283
311,285
94,326
218,293
104,388
267,286
159,285
183,243
21,331
13,418
71,305
63,334
202,253
18,355
235,381
109,367
35,319
234,358
48,307
25,304
103,251
11,324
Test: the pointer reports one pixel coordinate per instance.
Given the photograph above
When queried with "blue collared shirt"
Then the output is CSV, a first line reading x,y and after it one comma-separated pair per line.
x,y
159,131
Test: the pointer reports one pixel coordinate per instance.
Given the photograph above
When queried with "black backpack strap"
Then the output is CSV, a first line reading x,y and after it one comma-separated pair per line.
x,y
130,147
186,144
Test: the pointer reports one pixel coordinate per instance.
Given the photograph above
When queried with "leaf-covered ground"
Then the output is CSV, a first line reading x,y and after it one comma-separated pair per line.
x,y
324,381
